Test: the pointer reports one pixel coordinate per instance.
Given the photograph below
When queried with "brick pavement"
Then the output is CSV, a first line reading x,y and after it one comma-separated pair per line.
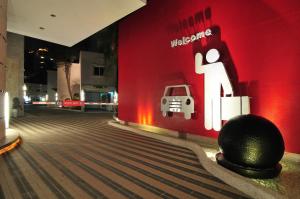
x,y
74,155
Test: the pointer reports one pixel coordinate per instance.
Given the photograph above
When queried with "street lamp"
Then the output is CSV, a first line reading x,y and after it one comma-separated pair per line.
x,y
24,88
82,95
6,110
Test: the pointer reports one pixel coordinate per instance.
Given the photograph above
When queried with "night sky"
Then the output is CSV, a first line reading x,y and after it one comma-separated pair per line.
x,y
41,56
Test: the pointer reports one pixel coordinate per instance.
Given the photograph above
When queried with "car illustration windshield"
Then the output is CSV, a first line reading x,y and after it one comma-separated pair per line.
x,y
176,91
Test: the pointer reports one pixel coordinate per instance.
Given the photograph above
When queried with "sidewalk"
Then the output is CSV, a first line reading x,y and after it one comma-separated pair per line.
x,y
286,185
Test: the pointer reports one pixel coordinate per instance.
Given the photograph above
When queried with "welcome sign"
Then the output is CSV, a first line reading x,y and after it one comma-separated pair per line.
x,y
188,39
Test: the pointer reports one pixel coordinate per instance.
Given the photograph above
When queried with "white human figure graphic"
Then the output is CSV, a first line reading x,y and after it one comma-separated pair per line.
x,y
215,78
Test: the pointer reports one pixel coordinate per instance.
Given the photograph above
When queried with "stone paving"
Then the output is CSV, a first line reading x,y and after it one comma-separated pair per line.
x,y
76,155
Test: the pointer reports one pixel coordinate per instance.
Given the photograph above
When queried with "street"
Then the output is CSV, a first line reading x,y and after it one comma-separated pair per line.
x,y
67,154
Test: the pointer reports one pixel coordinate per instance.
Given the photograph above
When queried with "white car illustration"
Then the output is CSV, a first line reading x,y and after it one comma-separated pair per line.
x,y
177,104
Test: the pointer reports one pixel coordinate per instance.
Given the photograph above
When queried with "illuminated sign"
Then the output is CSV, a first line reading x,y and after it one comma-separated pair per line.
x,y
186,40
180,104
68,103
217,107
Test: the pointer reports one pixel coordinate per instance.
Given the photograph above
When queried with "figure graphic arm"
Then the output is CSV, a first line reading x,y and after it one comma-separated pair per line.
x,y
225,81
199,68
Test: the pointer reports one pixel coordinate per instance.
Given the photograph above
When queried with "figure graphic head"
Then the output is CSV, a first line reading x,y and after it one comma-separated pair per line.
x,y
212,55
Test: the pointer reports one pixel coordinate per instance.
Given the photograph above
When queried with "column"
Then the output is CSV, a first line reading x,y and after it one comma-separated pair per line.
x,y
3,44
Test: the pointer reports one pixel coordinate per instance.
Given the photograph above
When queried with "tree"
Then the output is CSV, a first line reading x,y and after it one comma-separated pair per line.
x,y
67,70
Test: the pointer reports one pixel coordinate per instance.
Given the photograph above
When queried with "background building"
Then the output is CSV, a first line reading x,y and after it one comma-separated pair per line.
x,y
93,76
52,85
36,92
98,77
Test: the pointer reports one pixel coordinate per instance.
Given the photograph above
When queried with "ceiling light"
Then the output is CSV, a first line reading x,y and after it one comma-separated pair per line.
x,y
51,59
42,62
42,50
42,57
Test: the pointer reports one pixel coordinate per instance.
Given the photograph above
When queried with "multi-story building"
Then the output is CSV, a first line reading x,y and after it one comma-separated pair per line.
x,y
52,85
36,92
93,79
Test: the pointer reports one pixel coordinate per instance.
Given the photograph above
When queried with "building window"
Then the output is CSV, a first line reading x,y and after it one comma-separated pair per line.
x,y
98,71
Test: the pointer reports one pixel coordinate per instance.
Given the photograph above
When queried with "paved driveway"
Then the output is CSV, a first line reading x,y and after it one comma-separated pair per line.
x,y
74,155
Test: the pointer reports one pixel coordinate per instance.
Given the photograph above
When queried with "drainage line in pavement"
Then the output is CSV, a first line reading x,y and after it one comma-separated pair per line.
x,y
152,158
23,185
177,175
53,185
117,187
73,177
144,172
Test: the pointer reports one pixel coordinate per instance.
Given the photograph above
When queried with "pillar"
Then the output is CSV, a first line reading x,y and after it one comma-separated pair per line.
x,y
15,69
3,44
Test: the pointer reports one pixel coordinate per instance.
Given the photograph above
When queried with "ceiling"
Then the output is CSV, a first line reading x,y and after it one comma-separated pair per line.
x,y
74,20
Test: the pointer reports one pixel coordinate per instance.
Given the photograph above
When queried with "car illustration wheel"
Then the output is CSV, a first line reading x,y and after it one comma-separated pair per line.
x,y
170,114
164,114
187,116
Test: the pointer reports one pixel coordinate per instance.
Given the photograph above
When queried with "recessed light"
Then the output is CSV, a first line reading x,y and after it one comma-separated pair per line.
x,y
53,15
42,50
42,57
42,28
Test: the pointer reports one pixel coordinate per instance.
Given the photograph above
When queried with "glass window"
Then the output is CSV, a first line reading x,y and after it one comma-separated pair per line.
x,y
99,71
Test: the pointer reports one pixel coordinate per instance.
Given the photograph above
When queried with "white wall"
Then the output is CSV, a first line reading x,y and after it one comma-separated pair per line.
x,y
35,91
62,87
88,60
51,85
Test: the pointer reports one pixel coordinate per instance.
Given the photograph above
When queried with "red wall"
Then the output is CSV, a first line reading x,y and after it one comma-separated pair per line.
x,y
259,42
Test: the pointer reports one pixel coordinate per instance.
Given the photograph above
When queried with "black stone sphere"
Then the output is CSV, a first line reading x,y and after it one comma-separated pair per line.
x,y
252,146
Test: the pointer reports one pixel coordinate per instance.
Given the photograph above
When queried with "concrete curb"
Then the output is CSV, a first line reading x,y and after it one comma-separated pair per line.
x,y
243,184
11,140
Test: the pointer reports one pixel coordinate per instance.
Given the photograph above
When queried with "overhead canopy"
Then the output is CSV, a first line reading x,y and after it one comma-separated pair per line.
x,y
66,22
